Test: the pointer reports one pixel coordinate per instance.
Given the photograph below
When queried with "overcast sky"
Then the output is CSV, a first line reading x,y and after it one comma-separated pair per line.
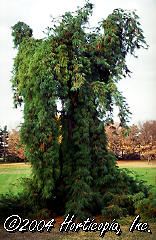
x,y
140,89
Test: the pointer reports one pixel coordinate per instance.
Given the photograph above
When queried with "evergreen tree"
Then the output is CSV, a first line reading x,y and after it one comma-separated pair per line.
x,y
67,148
4,143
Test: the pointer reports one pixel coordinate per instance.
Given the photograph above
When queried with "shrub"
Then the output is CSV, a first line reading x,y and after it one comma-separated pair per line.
x,y
113,211
146,207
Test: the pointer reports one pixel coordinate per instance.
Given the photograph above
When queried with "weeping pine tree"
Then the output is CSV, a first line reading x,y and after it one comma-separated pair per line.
x,y
79,68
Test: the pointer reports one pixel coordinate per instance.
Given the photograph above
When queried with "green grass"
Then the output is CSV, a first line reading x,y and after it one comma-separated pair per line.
x,y
11,182
146,174
11,174
10,177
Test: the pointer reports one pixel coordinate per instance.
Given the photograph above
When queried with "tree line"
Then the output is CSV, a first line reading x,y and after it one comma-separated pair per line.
x,y
11,149
136,142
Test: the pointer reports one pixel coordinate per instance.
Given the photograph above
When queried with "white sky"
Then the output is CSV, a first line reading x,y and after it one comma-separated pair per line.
x,y
140,89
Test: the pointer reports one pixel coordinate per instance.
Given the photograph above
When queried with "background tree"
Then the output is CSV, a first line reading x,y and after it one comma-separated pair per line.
x,y
3,143
138,142
15,148
80,69
132,146
148,139
115,139
148,132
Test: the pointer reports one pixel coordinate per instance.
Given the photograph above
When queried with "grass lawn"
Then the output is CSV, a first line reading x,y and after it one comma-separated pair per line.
x,y
10,175
146,174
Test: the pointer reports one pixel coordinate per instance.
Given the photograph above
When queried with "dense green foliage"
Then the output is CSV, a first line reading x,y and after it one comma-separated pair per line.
x,y
3,143
72,168
13,200
19,32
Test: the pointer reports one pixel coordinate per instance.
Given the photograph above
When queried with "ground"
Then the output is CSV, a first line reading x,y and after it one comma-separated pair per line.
x,y
10,173
137,164
56,235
